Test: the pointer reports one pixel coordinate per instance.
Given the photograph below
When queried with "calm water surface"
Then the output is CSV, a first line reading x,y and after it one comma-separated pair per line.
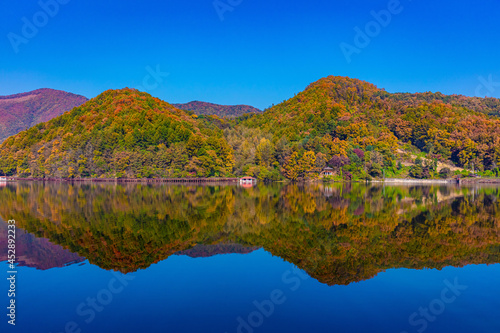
x,y
271,258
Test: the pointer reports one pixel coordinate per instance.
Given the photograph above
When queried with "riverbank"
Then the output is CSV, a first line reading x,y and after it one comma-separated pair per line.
x,y
133,180
480,181
448,181
237,180
419,181
443,181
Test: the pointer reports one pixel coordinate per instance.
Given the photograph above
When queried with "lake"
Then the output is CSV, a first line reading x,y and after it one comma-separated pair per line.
x,y
268,258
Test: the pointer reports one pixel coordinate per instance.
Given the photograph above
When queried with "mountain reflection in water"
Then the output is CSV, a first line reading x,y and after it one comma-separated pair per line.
x,y
338,233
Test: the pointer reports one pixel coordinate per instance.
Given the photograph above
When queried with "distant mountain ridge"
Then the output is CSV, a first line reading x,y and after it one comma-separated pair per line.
x,y
21,111
204,108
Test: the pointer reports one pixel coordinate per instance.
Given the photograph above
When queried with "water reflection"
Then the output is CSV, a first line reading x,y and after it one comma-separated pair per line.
x,y
338,234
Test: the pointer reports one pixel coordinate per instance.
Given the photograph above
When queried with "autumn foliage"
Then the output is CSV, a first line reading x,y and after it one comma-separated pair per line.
x,y
120,133
125,133
337,233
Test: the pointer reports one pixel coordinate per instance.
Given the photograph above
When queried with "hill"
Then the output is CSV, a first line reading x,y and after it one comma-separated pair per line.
x,y
21,111
204,108
120,133
357,129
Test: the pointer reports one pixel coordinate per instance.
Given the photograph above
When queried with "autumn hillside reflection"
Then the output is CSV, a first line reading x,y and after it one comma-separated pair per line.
x,y
339,234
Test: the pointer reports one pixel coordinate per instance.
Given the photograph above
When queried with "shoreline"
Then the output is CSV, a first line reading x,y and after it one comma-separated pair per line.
x,y
419,181
237,180
131,180
450,181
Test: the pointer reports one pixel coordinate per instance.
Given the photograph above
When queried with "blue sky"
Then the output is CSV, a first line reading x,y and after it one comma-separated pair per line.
x,y
262,52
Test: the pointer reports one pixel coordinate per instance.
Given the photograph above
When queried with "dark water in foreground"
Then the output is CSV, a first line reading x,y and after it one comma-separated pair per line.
x,y
277,258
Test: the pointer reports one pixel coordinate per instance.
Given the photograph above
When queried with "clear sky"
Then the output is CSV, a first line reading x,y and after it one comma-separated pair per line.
x,y
255,52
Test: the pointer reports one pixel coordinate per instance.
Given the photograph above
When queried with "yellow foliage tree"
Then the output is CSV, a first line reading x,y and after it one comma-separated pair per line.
x,y
265,152
308,162
291,168
339,147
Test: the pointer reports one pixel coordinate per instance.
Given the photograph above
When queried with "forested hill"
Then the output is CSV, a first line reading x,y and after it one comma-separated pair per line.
x,y
357,129
21,111
120,133
362,131
204,108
